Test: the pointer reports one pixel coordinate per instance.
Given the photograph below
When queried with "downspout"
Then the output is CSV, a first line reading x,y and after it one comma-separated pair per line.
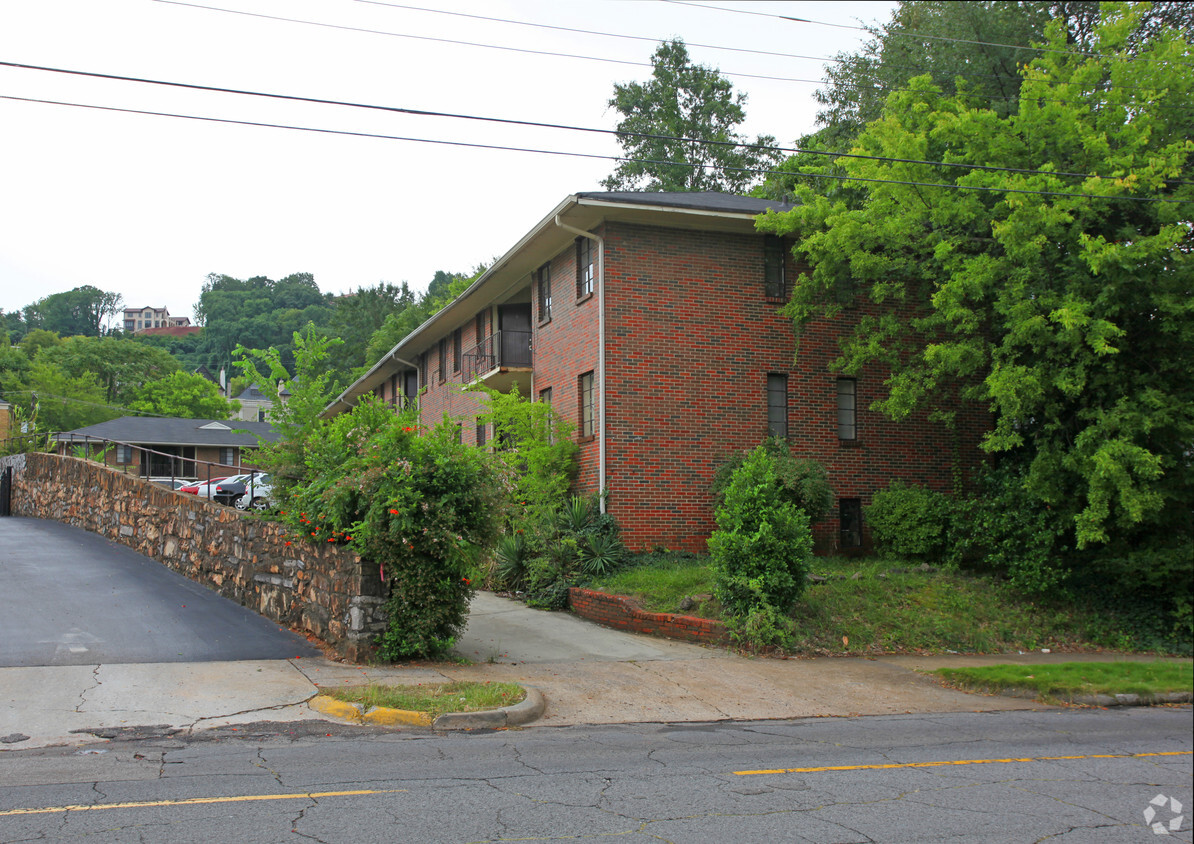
x,y
601,481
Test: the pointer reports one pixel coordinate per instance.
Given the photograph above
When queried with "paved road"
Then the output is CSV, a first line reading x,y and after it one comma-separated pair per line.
x,y
69,597
1075,776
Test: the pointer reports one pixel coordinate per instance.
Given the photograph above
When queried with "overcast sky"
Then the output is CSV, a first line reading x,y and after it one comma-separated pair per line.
x,y
148,206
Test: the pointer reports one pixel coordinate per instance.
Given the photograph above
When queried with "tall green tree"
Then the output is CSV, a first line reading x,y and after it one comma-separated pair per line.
x,y
359,314
678,130
444,287
121,367
973,46
257,313
1057,291
83,311
183,394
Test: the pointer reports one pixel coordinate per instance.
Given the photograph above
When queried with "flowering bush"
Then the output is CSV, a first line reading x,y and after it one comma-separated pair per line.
x,y
412,500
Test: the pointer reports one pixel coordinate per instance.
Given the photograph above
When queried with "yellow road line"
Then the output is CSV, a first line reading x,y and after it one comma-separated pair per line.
x,y
960,762
192,801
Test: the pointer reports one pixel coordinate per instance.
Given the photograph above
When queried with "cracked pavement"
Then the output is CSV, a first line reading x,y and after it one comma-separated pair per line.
x,y
692,782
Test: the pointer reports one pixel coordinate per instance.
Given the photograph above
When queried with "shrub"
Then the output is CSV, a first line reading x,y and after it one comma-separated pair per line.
x,y
414,501
804,483
1009,530
760,549
910,521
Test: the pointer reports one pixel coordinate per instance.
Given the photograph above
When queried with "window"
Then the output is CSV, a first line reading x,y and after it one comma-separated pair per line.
x,y
545,397
847,415
442,370
543,283
777,404
849,514
480,433
482,322
124,454
588,426
457,350
584,267
228,456
774,283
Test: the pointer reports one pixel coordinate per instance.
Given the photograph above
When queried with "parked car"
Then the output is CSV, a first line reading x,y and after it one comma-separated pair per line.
x,y
245,493
202,487
173,483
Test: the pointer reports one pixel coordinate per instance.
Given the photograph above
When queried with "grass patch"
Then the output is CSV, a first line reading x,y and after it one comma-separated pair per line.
x,y
872,606
1068,679
433,698
660,582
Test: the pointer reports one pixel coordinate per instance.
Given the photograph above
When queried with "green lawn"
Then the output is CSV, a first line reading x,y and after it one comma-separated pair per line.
x,y
868,605
1066,680
433,698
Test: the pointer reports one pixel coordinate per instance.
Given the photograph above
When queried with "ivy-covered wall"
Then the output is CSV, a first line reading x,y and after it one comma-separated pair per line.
x,y
328,592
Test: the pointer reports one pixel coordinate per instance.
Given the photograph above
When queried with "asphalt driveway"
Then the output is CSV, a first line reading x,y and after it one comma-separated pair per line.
x,y
70,597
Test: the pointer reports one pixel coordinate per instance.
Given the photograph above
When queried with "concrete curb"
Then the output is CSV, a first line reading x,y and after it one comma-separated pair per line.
x,y
1092,700
527,710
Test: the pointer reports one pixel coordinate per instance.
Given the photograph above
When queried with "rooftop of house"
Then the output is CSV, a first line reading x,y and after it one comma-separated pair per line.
x,y
703,211
147,430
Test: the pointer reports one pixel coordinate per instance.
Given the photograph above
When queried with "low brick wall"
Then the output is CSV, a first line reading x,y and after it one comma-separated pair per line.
x,y
326,591
623,614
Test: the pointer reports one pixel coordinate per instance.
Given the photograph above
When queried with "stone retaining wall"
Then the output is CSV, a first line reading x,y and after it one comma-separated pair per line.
x,y
623,614
328,592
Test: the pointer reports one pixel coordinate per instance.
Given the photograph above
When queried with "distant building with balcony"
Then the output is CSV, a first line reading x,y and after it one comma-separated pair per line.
x,y
137,320
652,321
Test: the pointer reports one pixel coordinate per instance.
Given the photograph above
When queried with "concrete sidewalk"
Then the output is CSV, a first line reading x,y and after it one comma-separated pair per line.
x,y
589,675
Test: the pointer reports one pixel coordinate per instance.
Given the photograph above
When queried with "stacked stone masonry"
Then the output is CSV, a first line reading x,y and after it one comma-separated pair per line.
x,y
327,592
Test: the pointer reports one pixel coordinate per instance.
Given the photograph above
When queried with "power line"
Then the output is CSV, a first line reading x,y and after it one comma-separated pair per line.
x,y
881,89
534,124
747,50
499,147
925,35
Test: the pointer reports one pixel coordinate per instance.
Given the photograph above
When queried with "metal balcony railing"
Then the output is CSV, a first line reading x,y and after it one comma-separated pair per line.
x,y
502,350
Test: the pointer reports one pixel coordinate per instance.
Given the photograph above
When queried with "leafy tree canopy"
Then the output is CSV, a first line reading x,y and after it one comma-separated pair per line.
x,y
120,367
1070,317
257,313
82,311
358,316
679,130
183,394
443,289
977,47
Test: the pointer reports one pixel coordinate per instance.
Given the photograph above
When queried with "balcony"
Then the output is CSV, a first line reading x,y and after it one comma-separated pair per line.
x,y
500,361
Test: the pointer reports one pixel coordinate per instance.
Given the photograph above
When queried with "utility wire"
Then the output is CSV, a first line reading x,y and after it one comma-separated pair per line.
x,y
747,50
535,124
499,147
926,35
367,30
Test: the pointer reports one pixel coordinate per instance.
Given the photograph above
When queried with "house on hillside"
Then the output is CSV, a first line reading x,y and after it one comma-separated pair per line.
x,y
651,321
137,320
169,447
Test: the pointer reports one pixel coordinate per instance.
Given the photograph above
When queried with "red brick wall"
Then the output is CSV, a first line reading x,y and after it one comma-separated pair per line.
x,y
621,613
565,347
690,339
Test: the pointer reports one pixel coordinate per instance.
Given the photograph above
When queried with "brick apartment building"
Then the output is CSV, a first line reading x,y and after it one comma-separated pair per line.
x,y
650,320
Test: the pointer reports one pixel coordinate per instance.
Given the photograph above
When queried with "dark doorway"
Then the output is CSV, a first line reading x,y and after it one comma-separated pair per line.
x,y
514,323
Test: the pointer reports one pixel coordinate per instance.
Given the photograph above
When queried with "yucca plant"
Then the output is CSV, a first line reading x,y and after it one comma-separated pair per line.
x,y
511,555
601,554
